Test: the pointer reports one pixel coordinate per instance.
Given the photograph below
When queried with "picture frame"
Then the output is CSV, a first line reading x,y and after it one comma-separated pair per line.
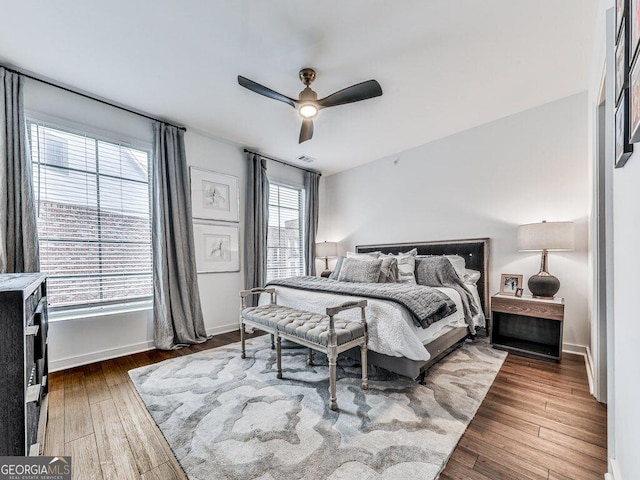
x,y
214,196
217,247
622,66
620,12
510,283
519,292
634,101
623,149
633,22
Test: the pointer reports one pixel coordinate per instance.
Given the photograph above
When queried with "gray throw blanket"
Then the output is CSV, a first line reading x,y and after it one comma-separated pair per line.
x,y
437,271
427,305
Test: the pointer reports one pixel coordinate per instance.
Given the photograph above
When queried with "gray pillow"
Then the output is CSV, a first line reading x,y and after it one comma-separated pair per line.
x,y
389,270
360,271
336,271
435,271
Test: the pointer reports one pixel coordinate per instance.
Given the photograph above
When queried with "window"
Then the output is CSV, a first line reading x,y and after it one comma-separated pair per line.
x,y
93,206
285,256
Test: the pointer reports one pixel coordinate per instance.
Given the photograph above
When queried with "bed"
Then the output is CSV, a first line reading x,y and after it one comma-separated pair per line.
x,y
396,343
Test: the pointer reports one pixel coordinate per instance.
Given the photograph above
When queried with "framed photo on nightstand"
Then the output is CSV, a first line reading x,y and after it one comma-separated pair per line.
x,y
510,283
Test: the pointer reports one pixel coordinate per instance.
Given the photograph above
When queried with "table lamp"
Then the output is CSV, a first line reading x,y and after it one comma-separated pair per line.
x,y
545,236
326,250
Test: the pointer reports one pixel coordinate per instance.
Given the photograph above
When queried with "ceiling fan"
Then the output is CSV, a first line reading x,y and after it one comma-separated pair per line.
x,y
308,104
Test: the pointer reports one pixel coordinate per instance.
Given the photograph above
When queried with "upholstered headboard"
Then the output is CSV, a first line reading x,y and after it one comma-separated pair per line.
x,y
475,252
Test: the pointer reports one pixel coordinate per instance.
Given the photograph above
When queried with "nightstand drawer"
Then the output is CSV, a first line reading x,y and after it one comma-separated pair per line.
x,y
529,308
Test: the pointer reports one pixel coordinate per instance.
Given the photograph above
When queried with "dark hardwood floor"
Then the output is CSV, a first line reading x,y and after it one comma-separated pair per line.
x,y
538,421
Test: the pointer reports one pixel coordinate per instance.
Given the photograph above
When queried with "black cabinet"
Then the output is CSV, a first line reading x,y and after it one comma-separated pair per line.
x,y
23,363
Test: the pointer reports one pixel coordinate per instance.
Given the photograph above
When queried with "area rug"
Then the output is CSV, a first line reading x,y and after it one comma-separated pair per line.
x,y
229,418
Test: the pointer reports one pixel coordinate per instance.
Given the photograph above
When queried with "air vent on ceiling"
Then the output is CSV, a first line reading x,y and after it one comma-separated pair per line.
x,y
306,159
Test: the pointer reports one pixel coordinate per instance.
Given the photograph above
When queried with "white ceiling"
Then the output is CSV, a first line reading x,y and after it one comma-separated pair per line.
x,y
444,65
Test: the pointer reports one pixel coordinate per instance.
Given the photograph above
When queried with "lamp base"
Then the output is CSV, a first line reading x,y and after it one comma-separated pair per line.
x,y
326,273
544,285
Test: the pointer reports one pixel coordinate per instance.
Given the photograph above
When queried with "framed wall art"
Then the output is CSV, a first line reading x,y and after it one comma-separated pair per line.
x,y
623,148
620,11
634,101
214,196
633,23
217,248
510,283
621,65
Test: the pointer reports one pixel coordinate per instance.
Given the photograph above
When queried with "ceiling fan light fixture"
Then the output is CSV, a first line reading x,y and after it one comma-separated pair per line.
x,y
308,110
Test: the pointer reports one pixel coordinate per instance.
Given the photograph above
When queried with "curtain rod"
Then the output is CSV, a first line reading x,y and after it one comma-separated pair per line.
x,y
246,150
70,90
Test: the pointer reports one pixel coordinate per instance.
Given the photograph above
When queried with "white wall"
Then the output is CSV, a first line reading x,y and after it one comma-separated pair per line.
x,y
623,325
84,339
483,182
626,231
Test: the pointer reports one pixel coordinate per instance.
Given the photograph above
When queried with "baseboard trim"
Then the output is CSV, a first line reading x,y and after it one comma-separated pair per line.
x,y
101,355
614,470
79,360
585,351
230,327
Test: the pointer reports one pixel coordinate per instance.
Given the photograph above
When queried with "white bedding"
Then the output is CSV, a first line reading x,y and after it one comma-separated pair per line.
x,y
391,328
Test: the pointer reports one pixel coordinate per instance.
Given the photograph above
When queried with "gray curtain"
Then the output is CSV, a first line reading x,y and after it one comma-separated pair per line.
x,y
256,222
311,182
19,251
176,301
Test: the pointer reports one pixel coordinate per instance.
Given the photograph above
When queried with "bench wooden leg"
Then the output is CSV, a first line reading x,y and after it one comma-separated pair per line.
x,y
242,334
333,356
272,344
310,357
363,357
278,355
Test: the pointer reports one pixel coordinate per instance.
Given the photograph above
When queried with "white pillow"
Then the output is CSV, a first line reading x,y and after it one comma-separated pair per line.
x,y
471,276
364,256
406,265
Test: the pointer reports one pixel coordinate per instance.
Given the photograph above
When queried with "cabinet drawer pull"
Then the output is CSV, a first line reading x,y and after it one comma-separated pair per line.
x,y
31,330
33,393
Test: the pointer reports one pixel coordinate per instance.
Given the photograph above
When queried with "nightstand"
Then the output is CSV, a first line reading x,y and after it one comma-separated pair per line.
x,y
528,326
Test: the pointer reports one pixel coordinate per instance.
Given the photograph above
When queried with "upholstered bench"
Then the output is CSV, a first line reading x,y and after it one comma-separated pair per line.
x,y
315,331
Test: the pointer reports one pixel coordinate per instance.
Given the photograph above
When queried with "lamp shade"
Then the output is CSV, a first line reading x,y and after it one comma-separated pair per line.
x,y
326,249
546,236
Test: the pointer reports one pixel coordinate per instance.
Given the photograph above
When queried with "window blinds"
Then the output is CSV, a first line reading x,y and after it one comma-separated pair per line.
x,y
285,235
93,206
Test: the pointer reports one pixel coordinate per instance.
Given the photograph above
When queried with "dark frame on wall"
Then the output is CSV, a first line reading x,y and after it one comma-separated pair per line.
x,y
627,101
623,148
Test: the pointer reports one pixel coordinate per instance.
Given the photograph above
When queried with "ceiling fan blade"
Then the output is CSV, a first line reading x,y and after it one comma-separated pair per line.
x,y
306,132
267,92
354,93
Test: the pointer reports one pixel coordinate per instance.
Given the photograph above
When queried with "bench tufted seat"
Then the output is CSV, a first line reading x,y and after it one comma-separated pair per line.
x,y
316,331
313,327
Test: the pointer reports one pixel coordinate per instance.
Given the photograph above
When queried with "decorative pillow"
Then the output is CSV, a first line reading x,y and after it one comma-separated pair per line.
x,y
456,260
336,271
364,256
389,270
406,265
435,271
361,271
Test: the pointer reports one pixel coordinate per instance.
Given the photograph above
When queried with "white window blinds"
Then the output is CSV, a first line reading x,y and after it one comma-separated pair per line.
x,y
93,206
285,234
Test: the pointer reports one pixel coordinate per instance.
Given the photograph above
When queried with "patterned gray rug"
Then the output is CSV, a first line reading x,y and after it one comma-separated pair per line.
x,y
228,418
